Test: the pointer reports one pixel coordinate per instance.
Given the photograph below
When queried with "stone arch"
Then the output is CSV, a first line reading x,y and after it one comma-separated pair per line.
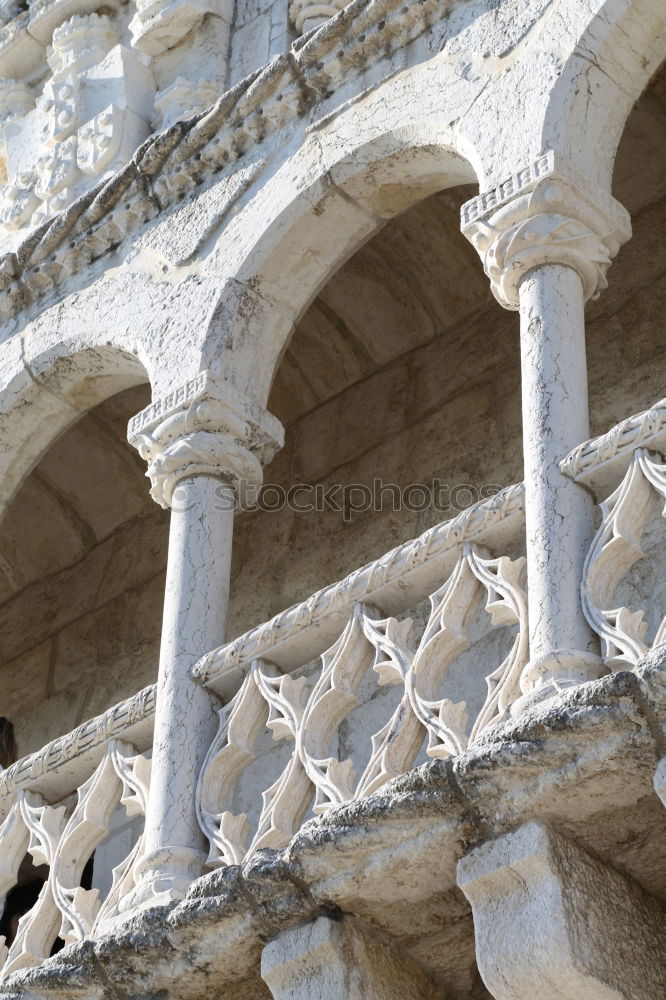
x,y
321,222
46,391
613,56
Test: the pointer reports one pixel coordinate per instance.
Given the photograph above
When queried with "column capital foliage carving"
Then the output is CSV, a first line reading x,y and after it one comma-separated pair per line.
x,y
204,427
545,213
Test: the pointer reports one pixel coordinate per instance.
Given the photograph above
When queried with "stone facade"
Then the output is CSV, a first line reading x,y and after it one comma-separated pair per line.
x,y
332,602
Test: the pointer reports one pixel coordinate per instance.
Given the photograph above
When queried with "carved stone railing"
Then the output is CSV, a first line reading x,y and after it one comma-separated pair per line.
x,y
102,763
438,706
625,470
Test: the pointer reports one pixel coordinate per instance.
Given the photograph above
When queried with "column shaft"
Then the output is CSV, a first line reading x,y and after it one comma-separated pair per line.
x,y
559,513
195,613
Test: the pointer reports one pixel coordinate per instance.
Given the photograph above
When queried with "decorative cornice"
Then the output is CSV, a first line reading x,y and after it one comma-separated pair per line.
x,y
61,765
407,573
546,212
190,152
205,427
601,462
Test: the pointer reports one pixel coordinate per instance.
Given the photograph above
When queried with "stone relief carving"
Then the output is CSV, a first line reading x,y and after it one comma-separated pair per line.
x,y
309,718
163,169
205,426
614,550
92,114
64,843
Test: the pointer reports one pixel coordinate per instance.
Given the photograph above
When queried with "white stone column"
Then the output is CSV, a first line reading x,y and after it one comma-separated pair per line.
x,y
552,922
559,513
341,960
546,238
200,443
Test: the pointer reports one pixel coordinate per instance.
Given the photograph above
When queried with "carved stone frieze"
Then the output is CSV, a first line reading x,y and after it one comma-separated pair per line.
x,y
170,165
204,428
545,213
79,43
68,141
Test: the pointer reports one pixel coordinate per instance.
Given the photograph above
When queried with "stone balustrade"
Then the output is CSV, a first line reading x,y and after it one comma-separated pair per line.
x,y
303,675
59,806
410,657
624,469
357,693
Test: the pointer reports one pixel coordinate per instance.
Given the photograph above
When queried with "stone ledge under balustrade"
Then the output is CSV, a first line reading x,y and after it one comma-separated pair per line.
x,y
583,762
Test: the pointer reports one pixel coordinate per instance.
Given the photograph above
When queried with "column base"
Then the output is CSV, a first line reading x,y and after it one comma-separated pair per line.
x,y
548,675
163,878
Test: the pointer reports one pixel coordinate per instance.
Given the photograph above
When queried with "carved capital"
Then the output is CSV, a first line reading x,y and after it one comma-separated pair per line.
x,y
545,213
205,427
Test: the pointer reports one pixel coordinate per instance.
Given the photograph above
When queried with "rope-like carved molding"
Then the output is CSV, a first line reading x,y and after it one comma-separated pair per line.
x,y
64,843
406,573
601,462
186,154
57,767
309,717
614,550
